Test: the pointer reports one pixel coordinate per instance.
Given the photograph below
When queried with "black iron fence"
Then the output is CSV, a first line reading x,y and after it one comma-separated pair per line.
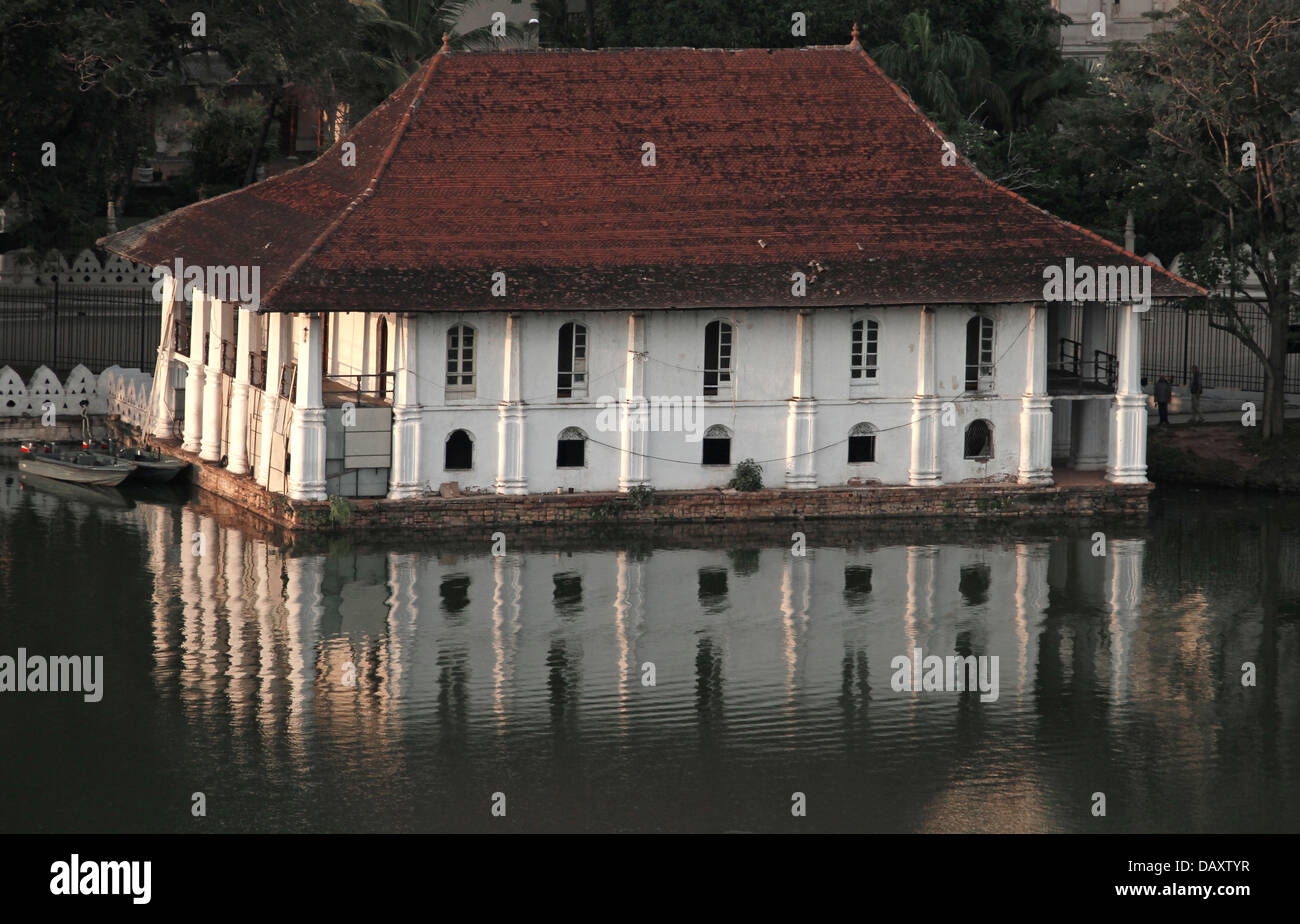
x,y
62,326
1175,338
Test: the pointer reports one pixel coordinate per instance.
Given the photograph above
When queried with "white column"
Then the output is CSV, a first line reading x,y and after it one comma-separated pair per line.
x,y
634,421
801,421
1124,601
162,411
404,478
162,525
270,607
1128,431
403,616
629,620
276,350
796,602
193,595
239,611
918,613
1032,562
507,594
925,407
510,429
238,464
196,377
210,451
304,601
307,437
1035,405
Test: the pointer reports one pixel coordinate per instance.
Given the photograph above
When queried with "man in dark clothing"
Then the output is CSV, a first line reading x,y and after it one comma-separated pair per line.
x,y
1196,395
1162,394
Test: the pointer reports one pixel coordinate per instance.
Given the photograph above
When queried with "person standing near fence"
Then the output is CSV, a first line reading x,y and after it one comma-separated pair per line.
x,y
1196,395
1162,395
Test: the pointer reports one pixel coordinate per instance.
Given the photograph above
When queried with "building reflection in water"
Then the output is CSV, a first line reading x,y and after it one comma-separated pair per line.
x,y
1120,670
370,646
296,645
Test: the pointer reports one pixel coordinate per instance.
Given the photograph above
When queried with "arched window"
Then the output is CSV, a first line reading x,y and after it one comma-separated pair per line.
x,y
459,451
381,359
460,360
571,449
717,357
979,440
717,446
454,591
979,353
572,379
862,443
864,351
974,582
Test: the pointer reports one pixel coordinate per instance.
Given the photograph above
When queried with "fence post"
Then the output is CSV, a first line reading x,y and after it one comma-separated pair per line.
x,y
1187,317
54,347
144,313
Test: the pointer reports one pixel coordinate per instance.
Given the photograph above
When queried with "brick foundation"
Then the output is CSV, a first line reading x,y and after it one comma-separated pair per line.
x,y
484,513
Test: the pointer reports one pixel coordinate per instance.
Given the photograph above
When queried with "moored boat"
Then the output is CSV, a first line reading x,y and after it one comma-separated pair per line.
x,y
152,466
78,466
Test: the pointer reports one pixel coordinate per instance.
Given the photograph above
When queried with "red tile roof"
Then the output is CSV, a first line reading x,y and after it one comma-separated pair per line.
x,y
530,163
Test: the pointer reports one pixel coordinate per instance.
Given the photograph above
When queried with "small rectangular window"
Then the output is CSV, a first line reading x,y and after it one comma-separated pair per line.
x,y
570,453
717,451
862,449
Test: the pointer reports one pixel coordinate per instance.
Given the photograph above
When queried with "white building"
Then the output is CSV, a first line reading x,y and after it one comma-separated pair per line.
x,y
777,242
1088,38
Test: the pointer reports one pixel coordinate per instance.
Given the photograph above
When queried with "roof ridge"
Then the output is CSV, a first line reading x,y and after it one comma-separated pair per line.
x,y
855,46
384,160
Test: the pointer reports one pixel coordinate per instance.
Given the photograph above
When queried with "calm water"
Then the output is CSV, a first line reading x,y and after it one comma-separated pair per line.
x,y
396,685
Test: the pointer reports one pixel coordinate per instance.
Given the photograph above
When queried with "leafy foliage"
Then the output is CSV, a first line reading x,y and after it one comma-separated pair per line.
x,y
747,477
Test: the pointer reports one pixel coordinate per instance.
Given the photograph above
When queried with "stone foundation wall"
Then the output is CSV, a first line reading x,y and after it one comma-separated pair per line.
x,y
485,513
962,501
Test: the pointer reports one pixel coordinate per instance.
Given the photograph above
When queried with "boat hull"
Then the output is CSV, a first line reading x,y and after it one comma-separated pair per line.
x,y
152,467
58,469
152,473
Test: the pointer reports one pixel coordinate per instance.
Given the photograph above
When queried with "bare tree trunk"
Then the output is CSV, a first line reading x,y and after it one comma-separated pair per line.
x,y
255,155
1275,372
591,23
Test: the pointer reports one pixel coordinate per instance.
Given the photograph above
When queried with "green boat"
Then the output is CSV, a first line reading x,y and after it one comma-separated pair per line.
x,y
151,466
78,466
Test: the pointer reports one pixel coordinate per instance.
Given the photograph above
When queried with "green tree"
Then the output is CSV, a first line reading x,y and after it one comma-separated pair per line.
x,y
947,74
90,76
1220,93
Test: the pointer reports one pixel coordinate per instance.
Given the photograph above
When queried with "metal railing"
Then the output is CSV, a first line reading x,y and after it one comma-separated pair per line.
x,y
1071,353
1175,338
257,369
62,326
181,337
379,385
1105,368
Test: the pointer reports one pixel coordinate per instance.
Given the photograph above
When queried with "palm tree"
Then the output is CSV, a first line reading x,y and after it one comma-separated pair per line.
x,y
400,35
948,75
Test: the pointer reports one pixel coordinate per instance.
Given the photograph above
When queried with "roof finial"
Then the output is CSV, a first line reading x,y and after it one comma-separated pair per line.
x,y
854,43
446,43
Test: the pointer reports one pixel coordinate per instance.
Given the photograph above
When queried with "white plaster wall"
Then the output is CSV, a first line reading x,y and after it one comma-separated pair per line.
x,y
755,411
